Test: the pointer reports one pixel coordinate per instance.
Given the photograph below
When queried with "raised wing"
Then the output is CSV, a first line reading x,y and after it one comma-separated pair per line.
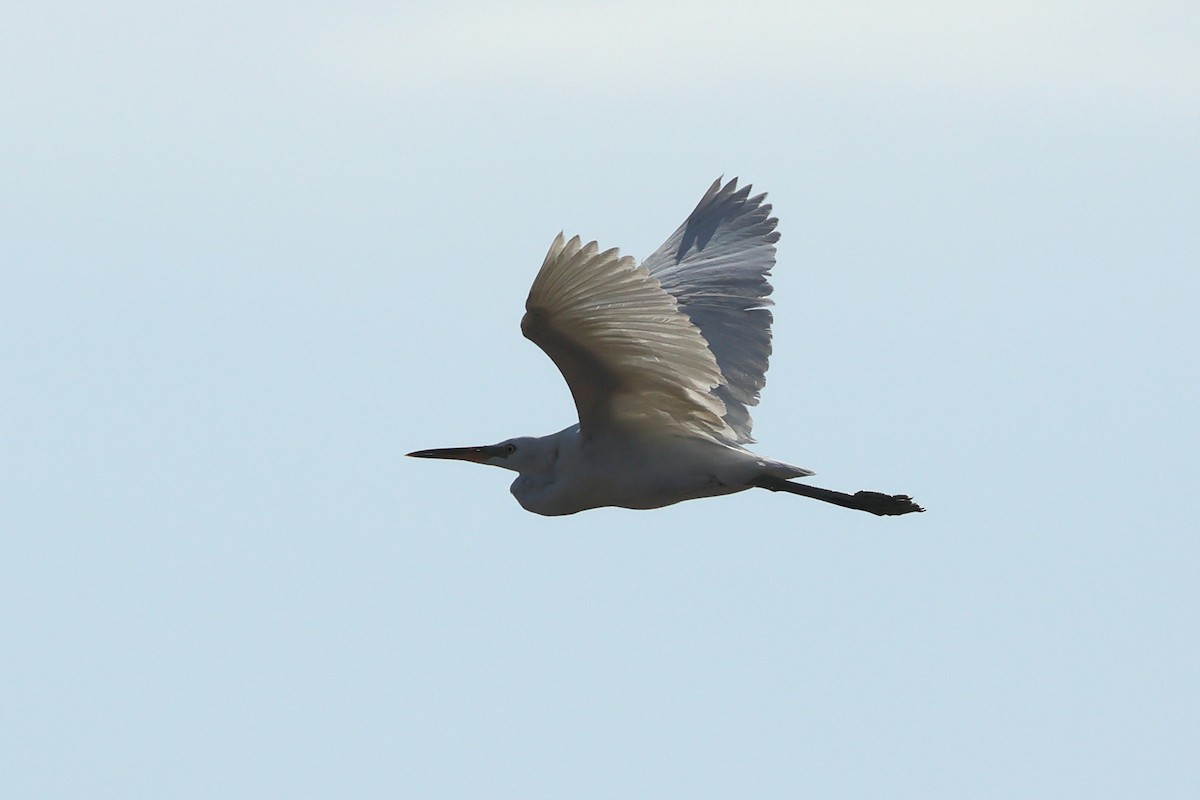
x,y
628,355
716,267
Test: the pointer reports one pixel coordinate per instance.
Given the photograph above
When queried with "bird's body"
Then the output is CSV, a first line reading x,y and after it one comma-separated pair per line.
x,y
568,471
663,361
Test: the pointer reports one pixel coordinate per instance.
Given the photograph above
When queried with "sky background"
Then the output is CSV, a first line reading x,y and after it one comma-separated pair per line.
x,y
253,253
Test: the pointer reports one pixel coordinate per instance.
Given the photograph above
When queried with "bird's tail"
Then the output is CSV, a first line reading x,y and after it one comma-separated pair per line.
x,y
778,469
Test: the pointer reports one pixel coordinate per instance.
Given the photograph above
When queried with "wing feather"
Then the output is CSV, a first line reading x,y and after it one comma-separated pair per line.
x,y
626,352
716,266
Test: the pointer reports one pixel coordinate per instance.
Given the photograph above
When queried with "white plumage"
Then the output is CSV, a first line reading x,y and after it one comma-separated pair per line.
x,y
663,361
630,357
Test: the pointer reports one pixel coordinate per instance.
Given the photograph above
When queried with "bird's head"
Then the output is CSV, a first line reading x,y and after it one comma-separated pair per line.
x,y
514,454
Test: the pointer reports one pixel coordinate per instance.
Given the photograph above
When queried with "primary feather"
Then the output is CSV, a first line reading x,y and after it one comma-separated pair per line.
x,y
716,266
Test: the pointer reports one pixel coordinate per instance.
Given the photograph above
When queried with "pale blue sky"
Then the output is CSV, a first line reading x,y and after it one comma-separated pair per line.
x,y
253,254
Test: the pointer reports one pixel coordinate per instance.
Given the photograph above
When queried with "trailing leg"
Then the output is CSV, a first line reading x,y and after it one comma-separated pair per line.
x,y
874,502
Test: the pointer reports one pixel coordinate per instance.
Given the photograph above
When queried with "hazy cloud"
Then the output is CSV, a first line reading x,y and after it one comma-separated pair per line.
x,y
1117,51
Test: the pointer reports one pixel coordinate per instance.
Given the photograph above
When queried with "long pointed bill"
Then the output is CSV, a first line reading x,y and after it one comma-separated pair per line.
x,y
477,454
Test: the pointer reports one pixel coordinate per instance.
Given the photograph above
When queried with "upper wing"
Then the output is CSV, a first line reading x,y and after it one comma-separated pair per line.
x,y
716,266
620,342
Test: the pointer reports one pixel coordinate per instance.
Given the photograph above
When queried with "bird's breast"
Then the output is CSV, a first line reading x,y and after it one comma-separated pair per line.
x,y
628,473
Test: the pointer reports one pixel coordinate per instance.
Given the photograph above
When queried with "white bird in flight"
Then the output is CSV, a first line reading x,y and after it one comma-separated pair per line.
x,y
663,361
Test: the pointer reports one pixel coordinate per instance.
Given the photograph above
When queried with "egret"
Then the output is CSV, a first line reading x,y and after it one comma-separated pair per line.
x,y
663,361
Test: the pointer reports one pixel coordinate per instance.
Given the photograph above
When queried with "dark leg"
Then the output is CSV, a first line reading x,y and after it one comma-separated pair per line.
x,y
874,502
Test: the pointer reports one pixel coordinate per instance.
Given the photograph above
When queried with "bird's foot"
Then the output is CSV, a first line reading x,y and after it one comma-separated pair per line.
x,y
884,505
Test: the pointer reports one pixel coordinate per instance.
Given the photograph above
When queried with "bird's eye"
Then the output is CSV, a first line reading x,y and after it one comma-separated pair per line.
x,y
509,449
